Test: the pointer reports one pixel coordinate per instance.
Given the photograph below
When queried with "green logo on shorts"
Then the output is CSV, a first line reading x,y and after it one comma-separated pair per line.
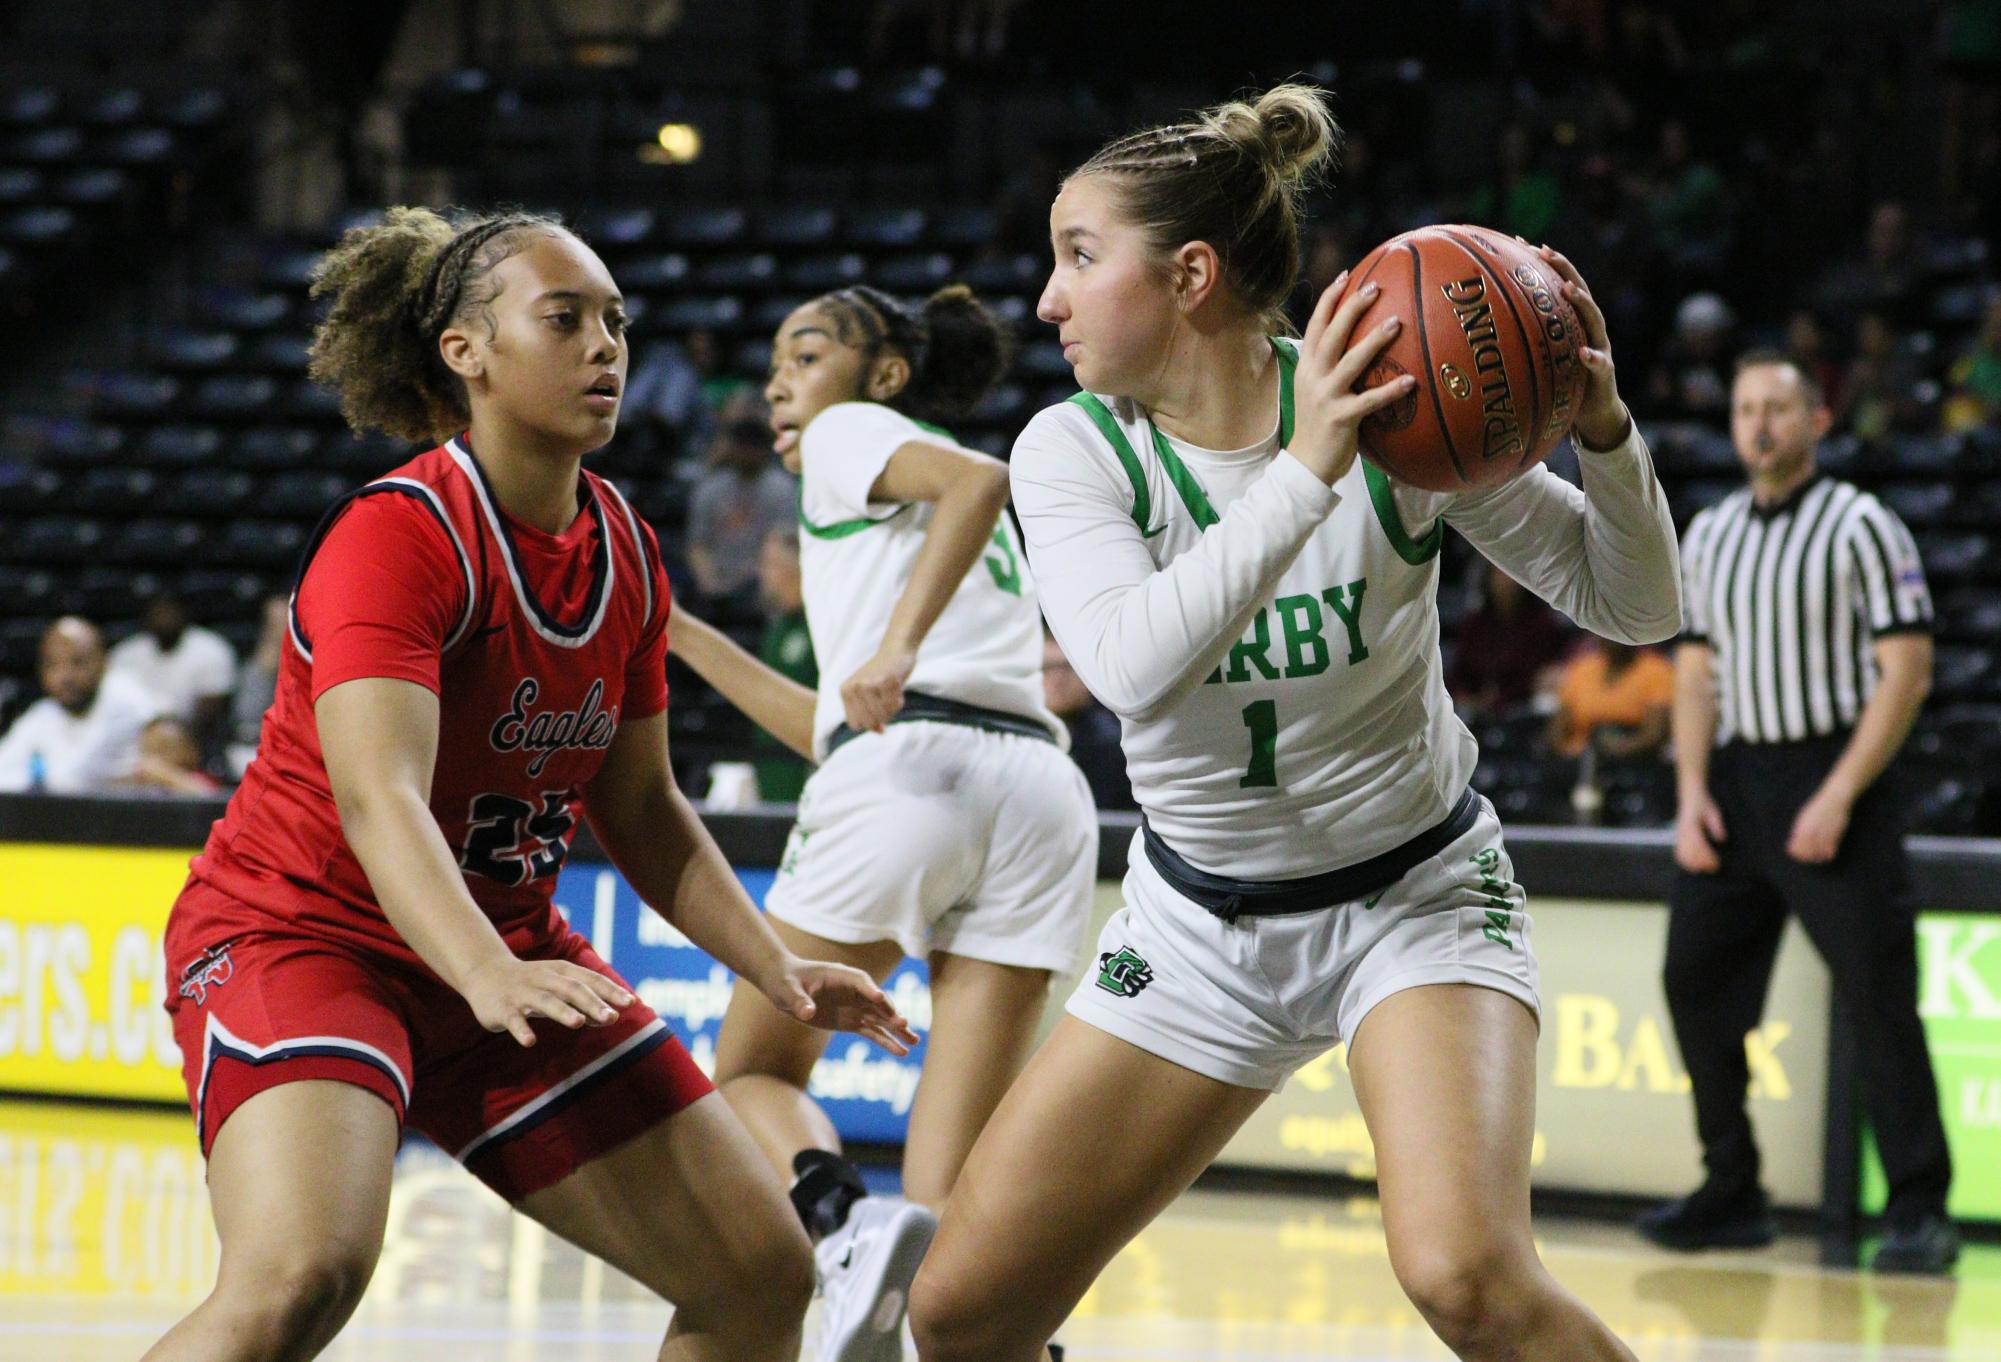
x,y
1500,914
1122,972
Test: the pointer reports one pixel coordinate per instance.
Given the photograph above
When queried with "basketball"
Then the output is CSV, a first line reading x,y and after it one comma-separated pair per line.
x,y
1493,344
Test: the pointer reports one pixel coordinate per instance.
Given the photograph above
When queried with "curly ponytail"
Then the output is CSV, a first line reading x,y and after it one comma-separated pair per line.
x,y
1232,176
396,286
956,348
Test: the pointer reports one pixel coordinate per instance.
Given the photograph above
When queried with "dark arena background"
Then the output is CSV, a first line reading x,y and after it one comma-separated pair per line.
x,y
1821,179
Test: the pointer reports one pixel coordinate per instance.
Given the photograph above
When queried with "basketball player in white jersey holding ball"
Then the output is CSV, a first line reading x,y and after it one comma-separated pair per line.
x,y
945,821
1314,867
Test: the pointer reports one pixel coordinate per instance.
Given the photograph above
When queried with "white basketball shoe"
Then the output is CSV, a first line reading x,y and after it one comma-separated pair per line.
x,y
865,1269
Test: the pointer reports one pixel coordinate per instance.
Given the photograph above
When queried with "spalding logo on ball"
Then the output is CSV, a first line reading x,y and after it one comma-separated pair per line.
x,y
1493,343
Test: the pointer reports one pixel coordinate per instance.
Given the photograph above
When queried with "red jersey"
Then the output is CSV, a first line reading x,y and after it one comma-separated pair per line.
x,y
537,646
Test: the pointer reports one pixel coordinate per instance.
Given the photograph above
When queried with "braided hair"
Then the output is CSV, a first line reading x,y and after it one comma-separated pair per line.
x,y
956,349
396,287
1233,177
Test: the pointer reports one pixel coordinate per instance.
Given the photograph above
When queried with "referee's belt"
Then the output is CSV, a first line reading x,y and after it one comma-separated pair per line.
x,y
1231,899
936,709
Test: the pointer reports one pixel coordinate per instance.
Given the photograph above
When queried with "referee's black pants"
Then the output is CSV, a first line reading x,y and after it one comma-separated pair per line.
x,y
1723,934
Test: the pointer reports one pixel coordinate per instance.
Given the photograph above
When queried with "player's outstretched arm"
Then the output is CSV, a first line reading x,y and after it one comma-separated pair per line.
x,y
969,491
774,702
650,831
379,738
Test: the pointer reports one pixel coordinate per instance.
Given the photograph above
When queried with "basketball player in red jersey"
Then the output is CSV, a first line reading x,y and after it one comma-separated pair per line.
x,y
477,659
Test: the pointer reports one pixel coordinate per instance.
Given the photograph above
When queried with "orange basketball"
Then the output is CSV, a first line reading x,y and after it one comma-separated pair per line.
x,y
1493,344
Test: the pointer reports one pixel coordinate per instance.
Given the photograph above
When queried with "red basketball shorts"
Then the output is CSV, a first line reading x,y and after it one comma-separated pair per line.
x,y
258,1008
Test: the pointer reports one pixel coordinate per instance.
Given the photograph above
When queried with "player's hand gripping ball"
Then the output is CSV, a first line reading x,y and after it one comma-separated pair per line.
x,y
1496,345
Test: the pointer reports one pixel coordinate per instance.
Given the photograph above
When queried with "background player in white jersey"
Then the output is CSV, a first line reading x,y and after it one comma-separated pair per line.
x,y
1259,610
944,821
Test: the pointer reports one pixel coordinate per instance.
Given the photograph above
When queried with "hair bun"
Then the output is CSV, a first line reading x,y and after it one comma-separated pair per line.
x,y
1288,129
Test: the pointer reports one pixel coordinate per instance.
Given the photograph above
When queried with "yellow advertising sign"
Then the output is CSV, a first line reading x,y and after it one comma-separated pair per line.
x,y
102,1203
82,978
1613,1112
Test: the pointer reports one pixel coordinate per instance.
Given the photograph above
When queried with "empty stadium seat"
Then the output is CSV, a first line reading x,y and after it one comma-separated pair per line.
x,y
1920,504
179,445
275,447
259,543
112,491
154,542
207,493
918,273
754,271
824,273
965,228
56,540
885,227
302,494
797,225
699,226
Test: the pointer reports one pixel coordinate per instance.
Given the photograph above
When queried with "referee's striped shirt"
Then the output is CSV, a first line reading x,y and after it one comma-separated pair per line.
x,y
1792,597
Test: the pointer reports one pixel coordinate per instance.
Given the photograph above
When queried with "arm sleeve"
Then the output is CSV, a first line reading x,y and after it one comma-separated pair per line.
x,y
1888,571
843,451
381,595
1138,634
1605,555
646,673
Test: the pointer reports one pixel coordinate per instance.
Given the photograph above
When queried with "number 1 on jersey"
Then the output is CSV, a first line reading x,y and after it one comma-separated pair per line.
x,y
1261,717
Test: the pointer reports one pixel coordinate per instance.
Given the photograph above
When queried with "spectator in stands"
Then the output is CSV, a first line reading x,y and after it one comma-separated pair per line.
x,y
1607,240
1690,205
1880,391
1615,697
787,648
1692,380
1094,730
1973,392
1524,197
682,389
82,736
742,497
664,397
1885,278
1806,346
256,686
191,669
1502,650
169,762
1970,132
720,387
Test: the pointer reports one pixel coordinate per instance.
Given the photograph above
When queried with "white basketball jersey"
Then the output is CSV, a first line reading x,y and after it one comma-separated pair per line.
x,y
856,558
1325,735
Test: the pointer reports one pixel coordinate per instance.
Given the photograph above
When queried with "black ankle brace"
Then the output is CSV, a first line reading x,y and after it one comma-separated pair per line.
x,y
824,1187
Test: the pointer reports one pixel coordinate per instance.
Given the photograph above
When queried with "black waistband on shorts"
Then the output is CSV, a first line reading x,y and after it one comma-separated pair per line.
x,y
1231,899
936,709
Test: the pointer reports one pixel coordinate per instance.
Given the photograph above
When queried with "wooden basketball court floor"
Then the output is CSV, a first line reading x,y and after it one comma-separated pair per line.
x,y
105,1240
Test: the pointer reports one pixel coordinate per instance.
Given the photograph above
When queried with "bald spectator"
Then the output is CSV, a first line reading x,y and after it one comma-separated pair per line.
x,y
83,736
191,669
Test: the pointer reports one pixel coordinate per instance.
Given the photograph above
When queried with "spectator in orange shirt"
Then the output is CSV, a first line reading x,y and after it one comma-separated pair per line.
x,y
1628,692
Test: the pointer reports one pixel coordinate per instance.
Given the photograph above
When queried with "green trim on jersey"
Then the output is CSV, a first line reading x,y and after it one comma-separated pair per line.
x,y
1101,417
1288,360
1416,552
1185,483
842,529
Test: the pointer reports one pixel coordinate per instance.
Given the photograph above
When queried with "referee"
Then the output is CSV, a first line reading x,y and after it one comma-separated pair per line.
x,y
1807,656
